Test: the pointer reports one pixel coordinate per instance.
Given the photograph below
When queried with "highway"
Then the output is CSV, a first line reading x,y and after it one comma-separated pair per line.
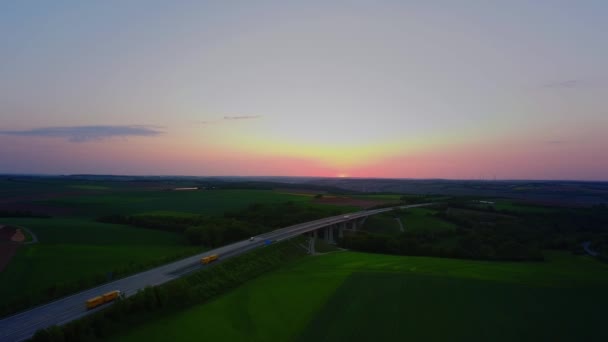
x,y
23,325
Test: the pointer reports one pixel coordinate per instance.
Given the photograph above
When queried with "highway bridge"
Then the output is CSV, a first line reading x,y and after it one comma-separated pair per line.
x,y
22,326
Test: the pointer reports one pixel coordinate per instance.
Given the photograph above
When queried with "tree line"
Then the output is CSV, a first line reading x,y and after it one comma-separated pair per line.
x,y
214,231
463,245
22,213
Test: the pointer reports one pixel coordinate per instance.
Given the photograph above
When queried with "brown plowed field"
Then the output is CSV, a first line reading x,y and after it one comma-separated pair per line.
x,y
18,236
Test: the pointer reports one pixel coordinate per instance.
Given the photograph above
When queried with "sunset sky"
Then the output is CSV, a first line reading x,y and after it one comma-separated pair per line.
x,y
400,89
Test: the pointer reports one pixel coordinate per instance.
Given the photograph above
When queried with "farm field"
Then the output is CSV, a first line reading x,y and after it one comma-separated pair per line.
x,y
520,207
422,219
382,224
413,220
71,249
210,202
348,296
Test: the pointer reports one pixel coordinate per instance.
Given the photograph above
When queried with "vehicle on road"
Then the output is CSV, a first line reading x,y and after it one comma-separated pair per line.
x,y
346,216
103,299
209,259
251,238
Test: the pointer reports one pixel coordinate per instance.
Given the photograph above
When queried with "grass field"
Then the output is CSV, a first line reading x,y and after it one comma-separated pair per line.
x,y
71,249
413,220
390,197
522,207
421,219
347,296
382,224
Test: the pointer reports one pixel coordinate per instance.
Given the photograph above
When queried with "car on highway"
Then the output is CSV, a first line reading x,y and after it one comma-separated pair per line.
x,y
346,216
251,238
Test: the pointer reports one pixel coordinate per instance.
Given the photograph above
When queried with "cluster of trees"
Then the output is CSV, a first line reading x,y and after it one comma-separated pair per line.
x,y
283,214
176,224
485,233
462,245
253,220
233,226
202,230
418,199
185,292
29,299
220,231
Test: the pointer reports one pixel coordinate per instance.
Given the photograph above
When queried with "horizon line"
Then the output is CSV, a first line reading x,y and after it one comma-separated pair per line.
x,y
317,177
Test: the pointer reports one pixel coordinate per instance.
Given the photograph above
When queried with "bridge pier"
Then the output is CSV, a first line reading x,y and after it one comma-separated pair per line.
x,y
311,243
330,234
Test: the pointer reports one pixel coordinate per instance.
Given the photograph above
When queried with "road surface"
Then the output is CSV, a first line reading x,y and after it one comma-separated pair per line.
x,y
23,325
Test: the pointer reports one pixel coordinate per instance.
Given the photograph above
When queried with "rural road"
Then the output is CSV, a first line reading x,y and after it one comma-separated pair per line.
x,y
23,325
34,237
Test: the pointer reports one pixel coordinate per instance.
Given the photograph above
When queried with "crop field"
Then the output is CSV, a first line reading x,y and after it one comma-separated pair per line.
x,y
348,296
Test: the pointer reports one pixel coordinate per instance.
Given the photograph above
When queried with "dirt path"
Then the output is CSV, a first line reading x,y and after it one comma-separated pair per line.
x,y
400,224
11,238
588,250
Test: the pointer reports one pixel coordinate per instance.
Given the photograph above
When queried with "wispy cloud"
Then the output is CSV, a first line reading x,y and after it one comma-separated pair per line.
x,y
242,117
87,133
555,142
229,118
577,83
563,84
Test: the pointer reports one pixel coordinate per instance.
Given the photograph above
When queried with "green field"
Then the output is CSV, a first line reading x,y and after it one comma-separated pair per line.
x,y
382,224
388,197
421,219
413,220
72,249
210,202
522,207
347,296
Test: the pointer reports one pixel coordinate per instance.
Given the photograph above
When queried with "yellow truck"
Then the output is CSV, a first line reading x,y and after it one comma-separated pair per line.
x,y
208,259
104,298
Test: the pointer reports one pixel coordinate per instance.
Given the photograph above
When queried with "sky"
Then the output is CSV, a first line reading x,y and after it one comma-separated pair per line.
x,y
396,89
